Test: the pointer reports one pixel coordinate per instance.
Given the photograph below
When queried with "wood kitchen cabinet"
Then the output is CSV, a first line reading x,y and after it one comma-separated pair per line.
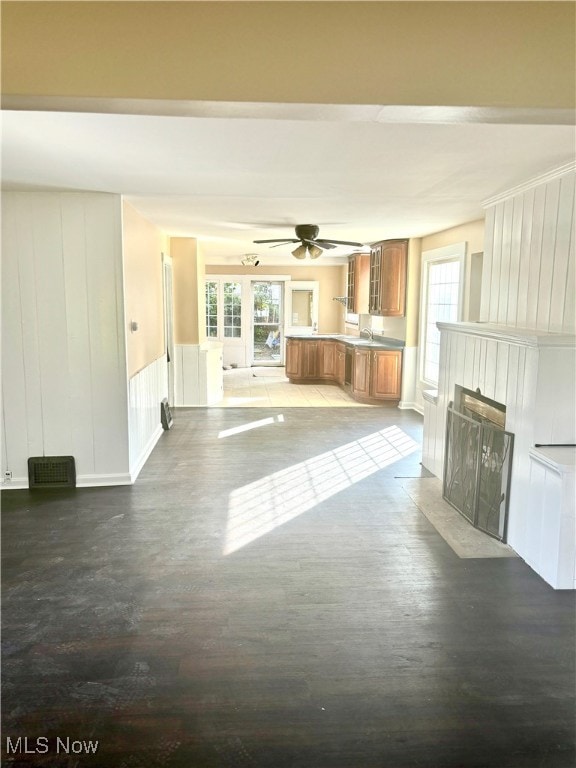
x,y
327,360
377,374
302,359
340,363
294,358
361,373
310,362
387,280
358,283
386,374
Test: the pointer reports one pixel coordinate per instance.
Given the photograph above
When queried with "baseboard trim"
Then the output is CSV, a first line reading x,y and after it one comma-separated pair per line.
x,y
407,406
82,481
95,481
135,471
15,484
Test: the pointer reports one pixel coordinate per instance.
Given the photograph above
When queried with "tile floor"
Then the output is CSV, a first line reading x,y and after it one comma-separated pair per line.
x,y
267,386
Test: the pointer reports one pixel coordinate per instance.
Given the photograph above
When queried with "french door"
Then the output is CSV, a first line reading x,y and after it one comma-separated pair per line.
x,y
267,323
252,317
224,317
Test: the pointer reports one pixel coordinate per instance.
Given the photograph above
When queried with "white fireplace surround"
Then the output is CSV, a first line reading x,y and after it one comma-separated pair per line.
x,y
533,374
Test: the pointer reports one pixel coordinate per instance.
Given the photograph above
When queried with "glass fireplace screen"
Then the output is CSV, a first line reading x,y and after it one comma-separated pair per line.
x,y
477,465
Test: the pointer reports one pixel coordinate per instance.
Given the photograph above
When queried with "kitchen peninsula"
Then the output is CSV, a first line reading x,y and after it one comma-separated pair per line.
x,y
369,368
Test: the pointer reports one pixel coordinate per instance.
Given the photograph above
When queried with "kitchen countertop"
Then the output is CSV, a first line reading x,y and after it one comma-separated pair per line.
x,y
378,342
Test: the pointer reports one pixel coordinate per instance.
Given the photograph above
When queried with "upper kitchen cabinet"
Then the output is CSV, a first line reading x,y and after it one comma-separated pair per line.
x,y
387,281
358,283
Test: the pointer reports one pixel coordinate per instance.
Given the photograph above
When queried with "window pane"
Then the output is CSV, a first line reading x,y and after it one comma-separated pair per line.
x,y
232,310
211,309
442,293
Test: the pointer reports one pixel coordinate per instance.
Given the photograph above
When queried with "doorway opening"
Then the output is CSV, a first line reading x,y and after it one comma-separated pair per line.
x,y
267,323
168,324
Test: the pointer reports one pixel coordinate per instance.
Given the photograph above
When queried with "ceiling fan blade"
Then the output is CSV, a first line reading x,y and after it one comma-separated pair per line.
x,y
305,241
338,242
284,242
277,240
318,243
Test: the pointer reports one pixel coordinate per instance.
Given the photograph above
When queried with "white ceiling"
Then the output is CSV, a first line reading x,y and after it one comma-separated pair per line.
x,y
228,181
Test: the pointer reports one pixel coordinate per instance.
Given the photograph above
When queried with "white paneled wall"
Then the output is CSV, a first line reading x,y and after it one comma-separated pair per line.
x,y
64,359
409,377
529,257
198,376
551,550
146,390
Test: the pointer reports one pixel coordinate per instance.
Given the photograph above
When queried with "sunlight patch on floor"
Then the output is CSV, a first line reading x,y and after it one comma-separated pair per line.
x,y
250,425
262,506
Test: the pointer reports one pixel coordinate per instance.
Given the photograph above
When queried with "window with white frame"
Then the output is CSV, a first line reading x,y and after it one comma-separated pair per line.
x,y
223,309
442,288
211,309
232,310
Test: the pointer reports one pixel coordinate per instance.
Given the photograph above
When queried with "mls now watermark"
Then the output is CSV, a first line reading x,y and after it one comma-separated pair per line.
x,y
62,745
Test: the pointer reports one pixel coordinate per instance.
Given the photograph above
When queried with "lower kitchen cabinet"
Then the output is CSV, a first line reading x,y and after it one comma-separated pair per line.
x,y
361,373
302,359
376,374
327,359
294,358
310,361
340,363
386,374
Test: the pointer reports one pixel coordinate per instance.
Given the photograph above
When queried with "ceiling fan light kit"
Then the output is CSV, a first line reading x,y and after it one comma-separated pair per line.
x,y
307,236
300,252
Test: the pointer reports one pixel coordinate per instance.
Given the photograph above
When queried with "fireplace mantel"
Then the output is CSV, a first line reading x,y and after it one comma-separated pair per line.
x,y
526,337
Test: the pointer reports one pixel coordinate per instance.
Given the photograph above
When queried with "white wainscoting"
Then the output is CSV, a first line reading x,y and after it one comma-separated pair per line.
x,y
551,547
529,268
198,374
532,373
64,358
146,391
409,394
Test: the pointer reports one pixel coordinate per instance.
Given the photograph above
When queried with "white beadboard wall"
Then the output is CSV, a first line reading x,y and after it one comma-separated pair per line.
x,y
146,390
529,269
198,376
408,398
64,381
552,514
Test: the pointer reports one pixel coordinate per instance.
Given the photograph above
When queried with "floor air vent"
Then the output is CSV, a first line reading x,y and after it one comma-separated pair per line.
x,y
52,472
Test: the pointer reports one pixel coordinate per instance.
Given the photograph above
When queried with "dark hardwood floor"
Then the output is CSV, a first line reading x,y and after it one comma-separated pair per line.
x,y
266,595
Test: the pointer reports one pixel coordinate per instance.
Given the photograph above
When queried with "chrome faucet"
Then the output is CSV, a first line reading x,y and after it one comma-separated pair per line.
x,y
367,331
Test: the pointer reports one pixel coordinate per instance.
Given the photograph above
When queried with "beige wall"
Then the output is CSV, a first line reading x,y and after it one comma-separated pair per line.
x,y
472,233
189,302
143,246
413,291
505,54
332,282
